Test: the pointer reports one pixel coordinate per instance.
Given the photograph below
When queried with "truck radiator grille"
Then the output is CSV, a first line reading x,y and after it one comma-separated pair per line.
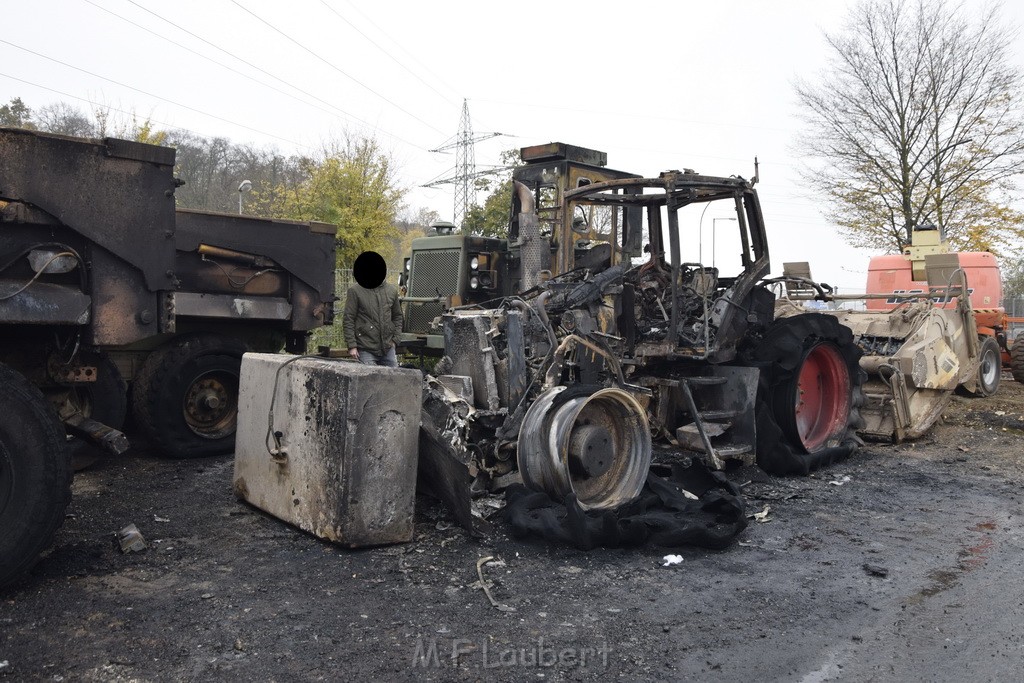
x,y
433,272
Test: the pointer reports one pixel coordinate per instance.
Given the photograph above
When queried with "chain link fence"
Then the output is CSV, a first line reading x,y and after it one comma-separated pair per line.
x,y
1015,309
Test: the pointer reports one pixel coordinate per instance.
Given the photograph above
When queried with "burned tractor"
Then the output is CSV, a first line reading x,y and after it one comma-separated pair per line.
x,y
578,382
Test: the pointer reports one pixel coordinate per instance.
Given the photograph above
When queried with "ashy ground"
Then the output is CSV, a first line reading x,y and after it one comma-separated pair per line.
x,y
901,564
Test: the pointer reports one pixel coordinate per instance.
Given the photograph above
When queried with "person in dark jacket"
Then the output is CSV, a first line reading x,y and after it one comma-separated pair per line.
x,y
373,314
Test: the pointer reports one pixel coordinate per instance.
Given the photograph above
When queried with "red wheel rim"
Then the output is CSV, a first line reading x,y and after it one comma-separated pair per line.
x,y
822,406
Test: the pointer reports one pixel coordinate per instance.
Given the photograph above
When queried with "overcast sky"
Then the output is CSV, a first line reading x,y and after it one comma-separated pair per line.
x,y
656,85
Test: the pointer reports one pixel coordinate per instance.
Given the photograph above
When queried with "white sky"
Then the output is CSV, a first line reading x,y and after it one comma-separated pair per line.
x,y
656,85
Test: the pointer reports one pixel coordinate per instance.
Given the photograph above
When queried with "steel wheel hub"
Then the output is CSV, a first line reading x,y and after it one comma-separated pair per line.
x,y
210,405
822,405
597,447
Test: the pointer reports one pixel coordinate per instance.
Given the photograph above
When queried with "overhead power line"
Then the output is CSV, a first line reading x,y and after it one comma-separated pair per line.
x,y
153,95
341,111
212,60
334,66
398,45
386,53
95,103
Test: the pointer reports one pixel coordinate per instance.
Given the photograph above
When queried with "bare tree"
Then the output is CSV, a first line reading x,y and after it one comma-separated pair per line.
x,y
917,118
64,119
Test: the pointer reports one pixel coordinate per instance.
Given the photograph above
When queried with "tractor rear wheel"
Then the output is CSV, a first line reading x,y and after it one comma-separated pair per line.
x,y
809,393
35,475
1017,358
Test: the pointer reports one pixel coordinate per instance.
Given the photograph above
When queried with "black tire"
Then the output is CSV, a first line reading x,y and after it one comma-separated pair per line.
x,y
1017,358
990,367
35,475
105,400
781,354
173,392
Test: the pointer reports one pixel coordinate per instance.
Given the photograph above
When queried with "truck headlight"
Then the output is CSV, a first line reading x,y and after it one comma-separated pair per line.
x,y
474,263
474,282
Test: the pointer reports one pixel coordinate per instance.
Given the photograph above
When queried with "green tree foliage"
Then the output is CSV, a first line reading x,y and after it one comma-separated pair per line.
x,y
1013,277
351,185
918,118
16,114
491,219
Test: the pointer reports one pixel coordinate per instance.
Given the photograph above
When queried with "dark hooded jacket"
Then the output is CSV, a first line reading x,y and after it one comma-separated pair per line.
x,y
373,318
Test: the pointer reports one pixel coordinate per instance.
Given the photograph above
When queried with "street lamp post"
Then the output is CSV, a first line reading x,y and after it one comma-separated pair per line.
x,y
713,231
245,186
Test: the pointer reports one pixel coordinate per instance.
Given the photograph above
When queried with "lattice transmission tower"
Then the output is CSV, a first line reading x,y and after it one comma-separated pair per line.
x,y
465,174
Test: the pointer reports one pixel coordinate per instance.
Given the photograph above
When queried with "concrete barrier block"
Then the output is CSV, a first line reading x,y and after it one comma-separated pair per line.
x,y
350,435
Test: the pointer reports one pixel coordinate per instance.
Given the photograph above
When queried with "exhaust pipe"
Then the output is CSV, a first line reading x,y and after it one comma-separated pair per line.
x,y
534,251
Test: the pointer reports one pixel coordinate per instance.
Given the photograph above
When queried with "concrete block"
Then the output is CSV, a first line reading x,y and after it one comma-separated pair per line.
x,y
350,434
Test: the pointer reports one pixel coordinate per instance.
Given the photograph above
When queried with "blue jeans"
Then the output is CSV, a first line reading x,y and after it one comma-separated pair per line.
x,y
389,359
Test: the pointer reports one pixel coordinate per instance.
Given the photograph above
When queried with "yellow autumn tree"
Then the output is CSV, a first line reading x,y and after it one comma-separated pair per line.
x,y
351,184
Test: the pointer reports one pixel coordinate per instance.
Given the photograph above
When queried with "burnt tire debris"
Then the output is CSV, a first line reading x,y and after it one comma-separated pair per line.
x,y
663,515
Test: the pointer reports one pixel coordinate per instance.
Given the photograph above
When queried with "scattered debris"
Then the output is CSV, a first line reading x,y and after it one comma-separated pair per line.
x,y
483,585
158,518
670,560
4,666
762,516
875,570
963,449
206,596
131,539
840,482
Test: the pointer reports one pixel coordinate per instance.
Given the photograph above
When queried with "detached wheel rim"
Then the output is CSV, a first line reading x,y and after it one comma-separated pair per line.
x,y
597,447
211,405
820,402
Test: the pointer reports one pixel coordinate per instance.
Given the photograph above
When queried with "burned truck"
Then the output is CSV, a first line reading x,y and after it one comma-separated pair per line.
x,y
107,290
576,384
